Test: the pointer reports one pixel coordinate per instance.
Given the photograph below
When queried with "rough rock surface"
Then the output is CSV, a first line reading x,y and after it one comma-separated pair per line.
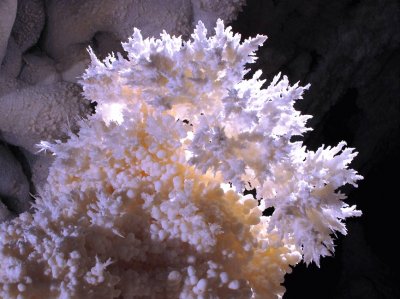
x,y
56,106
5,214
29,23
14,185
8,10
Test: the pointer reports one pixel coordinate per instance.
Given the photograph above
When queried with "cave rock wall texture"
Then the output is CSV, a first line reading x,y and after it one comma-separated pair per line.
x,y
347,49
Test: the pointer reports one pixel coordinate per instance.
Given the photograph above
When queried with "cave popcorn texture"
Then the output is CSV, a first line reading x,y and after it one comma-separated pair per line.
x,y
134,204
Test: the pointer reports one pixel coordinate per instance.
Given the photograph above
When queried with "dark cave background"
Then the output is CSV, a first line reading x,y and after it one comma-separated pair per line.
x,y
349,51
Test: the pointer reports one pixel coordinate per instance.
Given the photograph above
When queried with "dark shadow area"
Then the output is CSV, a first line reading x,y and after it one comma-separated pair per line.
x,y
349,52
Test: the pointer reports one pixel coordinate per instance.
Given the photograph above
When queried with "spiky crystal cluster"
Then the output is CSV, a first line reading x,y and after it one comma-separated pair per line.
x,y
138,203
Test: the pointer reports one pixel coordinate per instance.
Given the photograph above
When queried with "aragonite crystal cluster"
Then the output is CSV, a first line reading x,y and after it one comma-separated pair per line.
x,y
146,200
43,53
